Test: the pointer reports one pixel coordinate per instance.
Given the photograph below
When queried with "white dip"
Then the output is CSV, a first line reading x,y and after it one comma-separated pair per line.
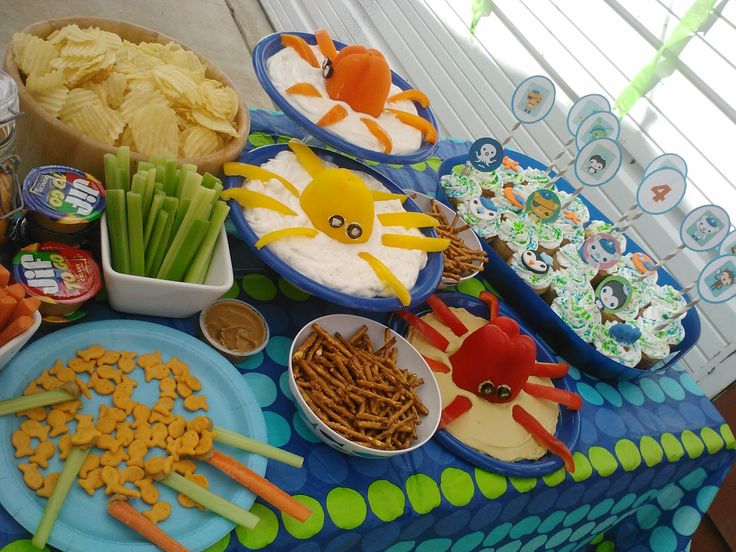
x,y
327,261
287,68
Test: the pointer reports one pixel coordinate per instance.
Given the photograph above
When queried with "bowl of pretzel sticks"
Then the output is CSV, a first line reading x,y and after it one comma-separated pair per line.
x,y
465,257
362,388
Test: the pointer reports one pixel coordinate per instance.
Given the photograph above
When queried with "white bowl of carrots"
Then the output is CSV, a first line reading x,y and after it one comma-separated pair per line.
x,y
19,317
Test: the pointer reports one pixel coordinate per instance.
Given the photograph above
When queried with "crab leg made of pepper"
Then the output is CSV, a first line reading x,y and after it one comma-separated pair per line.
x,y
459,406
565,398
543,437
425,330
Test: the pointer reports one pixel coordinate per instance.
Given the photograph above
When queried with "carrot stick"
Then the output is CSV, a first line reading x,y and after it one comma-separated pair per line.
x,y
26,307
17,291
4,276
15,328
7,306
119,508
3,293
259,485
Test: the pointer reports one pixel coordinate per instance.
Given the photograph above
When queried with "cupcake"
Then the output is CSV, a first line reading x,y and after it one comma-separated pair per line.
x,y
481,214
619,342
513,236
613,295
653,345
534,267
458,187
580,315
600,227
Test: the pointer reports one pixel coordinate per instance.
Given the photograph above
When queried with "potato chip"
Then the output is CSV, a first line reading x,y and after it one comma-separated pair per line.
x,y
76,99
35,55
154,130
83,50
111,90
52,99
98,121
126,139
36,83
214,123
177,84
197,141
221,101
136,100
186,59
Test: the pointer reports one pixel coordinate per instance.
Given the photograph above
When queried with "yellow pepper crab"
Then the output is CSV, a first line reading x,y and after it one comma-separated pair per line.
x,y
338,204
361,78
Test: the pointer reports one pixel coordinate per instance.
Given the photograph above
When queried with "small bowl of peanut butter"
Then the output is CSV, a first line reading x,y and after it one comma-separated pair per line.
x,y
234,328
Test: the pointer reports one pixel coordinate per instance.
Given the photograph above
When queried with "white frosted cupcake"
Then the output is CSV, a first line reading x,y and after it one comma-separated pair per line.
x,y
535,268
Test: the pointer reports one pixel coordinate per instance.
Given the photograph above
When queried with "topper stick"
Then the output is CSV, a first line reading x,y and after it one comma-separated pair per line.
x,y
629,222
511,133
566,145
662,262
630,211
686,289
677,314
563,170
572,196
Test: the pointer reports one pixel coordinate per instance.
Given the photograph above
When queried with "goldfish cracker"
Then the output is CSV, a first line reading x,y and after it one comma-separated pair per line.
x,y
126,363
122,400
183,390
200,480
90,463
117,414
159,512
204,446
140,415
106,424
167,388
32,388
150,359
31,476
128,383
113,459
49,484
22,443
199,424
58,365
159,432
35,429
184,467
69,407
64,445
108,442
143,433
114,484
57,420
43,452
189,441
108,372
91,353
92,482
164,417
101,386
137,451
149,491
124,432
66,375
39,413
108,357
47,381
192,381
132,474
83,389
86,431
177,367
80,365
156,371
158,466
172,446
196,402
177,427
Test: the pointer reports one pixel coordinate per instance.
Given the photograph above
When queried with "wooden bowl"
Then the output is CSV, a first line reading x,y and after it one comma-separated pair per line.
x,y
46,140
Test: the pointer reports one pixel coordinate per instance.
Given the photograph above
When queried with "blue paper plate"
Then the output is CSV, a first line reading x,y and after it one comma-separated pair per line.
x,y
83,523
568,426
429,276
271,44
542,319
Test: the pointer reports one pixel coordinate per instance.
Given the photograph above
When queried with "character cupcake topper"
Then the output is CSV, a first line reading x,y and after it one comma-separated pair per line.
x,y
531,102
543,205
601,251
598,162
598,125
705,227
613,294
667,161
486,154
538,263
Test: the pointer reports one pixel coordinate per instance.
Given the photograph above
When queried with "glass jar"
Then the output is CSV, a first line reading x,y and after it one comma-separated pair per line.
x,y
10,197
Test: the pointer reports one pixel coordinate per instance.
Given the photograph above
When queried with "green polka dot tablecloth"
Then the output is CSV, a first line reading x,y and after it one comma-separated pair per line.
x,y
651,456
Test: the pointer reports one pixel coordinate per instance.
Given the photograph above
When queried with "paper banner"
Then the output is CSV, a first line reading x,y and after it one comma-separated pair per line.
x,y
544,205
486,154
717,280
595,126
583,108
601,251
598,162
661,191
728,246
667,161
705,227
533,99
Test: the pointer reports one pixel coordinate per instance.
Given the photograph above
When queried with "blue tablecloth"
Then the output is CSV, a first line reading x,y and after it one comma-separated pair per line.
x,y
651,456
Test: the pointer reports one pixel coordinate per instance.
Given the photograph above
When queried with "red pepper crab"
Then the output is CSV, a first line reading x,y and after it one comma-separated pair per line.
x,y
494,363
361,78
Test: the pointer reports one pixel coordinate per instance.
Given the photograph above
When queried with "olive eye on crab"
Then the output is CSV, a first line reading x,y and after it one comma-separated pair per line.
x,y
354,230
327,69
503,392
486,388
336,221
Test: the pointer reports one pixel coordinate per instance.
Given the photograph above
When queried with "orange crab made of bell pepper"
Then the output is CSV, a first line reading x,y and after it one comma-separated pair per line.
x,y
361,78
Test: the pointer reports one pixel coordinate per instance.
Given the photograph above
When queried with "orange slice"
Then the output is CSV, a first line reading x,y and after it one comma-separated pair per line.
x,y
380,134
413,94
326,46
337,113
420,123
304,89
284,233
302,48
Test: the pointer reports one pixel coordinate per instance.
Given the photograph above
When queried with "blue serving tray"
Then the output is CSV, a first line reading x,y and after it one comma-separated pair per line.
x,y
543,320
271,44
568,426
429,277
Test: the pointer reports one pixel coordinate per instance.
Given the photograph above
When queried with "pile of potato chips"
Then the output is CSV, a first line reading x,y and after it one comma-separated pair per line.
x,y
149,96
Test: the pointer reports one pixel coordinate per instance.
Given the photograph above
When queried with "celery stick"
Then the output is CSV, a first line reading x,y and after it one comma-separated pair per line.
x,y
117,230
211,501
209,180
157,240
170,176
180,256
185,169
26,402
156,204
123,155
145,166
160,169
158,187
198,270
135,234
148,192
236,440
154,264
190,187
68,475
111,165
217,187
122,179
199,208
138,186
156,159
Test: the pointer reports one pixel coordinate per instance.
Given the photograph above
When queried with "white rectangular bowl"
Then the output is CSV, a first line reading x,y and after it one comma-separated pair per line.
x,y
154,297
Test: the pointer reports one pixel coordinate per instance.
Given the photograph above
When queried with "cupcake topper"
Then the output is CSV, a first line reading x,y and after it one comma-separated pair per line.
x,y
601,251
486,154
531,102
543,205
580,110
595,164
598,125
613,294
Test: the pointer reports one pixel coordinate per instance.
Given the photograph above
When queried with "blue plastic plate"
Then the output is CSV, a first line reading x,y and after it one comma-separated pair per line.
x,y
429,276
542,319
83,523
271,44
568,426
